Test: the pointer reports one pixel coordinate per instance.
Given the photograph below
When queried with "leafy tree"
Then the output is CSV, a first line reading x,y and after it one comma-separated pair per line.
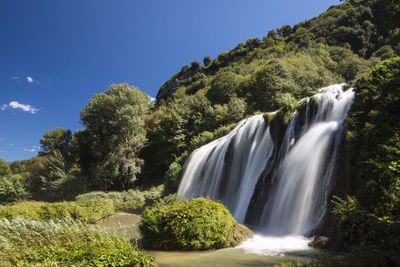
x,y
373,147
4,168
57,139
195,65
284,31
116,131
12,188
207,60
224,86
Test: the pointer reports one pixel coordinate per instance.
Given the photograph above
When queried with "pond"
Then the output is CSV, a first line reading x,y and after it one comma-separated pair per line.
x,y
259,251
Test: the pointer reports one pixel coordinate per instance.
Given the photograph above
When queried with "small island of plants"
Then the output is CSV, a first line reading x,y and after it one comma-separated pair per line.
x,y
195,224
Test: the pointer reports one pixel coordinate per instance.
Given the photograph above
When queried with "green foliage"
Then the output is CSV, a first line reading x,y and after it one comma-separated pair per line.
x,y
127,201
12,189
64,243
195,65
58,139
224,86
171,128
195,224
207,61
86,210
373,147
357,257
51,177
4,168
114,121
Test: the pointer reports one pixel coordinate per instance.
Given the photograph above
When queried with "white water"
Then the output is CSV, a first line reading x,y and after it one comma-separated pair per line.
x,y
228,169
230,177
274,245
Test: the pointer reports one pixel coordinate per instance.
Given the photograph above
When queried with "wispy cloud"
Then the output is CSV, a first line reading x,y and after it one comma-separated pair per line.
x,y
14,78
29,79
17,105
31,149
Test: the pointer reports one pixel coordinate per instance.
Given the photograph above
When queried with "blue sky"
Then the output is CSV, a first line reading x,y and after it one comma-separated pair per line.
x,y
55,55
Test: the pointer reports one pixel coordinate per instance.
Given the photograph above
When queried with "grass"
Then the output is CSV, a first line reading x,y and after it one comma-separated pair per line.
x,y
64,243
85,211
88,208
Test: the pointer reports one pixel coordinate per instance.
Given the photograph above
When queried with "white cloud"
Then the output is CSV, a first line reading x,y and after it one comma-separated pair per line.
x,y
29,79
14,78
31,149
17,105
152,99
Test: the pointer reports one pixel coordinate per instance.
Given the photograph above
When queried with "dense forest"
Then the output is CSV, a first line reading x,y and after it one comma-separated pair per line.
x,y
130,143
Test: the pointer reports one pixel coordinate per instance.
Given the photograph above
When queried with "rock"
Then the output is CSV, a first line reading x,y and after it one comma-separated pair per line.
x,y
319,241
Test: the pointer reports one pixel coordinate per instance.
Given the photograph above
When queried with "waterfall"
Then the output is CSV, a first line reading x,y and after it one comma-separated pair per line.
x,y
228,168
299,169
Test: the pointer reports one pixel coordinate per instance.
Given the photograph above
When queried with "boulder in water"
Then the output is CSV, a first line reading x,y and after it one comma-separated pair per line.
x,y
319,241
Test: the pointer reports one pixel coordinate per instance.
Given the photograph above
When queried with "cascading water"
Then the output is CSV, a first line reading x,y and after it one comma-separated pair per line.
x,y
228,168
300,168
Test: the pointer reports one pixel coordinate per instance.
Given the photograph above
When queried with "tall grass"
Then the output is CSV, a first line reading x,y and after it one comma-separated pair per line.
x,y
64,243
128,201
86,211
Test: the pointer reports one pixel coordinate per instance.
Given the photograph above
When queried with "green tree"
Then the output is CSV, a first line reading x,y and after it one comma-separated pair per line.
x,y
224,86
4,168
373,150
207,60
57,139
195,65
114,122
12,188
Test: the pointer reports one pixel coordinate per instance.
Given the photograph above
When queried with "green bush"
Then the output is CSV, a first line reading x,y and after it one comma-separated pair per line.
x,y
127,201
64,243
12,189
371,218
195,224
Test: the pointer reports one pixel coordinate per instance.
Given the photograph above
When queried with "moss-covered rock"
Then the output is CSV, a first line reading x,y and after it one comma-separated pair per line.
x,y
196,224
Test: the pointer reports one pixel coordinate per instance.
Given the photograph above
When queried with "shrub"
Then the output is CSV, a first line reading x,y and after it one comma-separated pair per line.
x,y
195,65
12,189
207,61
128,201
195,224
64,243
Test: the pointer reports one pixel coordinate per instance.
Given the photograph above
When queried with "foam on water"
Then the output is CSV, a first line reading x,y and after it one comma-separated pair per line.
x,y
275,245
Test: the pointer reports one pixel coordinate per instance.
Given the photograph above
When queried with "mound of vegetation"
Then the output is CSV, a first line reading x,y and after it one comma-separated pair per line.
x,y
64,243
370,214
196,224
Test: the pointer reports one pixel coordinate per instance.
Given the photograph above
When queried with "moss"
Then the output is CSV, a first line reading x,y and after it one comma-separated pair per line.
x,y
311,106
268,116
196,224
279,123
